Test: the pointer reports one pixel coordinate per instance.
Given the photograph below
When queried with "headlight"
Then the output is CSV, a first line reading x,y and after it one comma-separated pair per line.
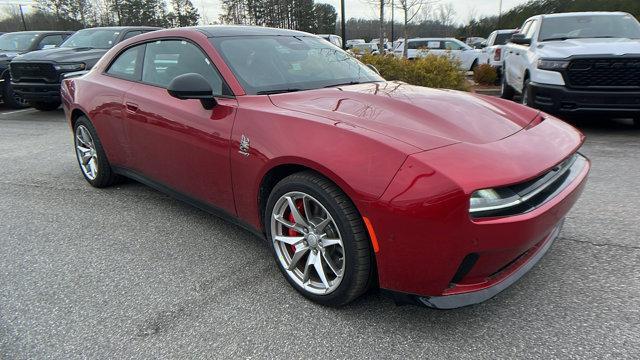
x,y
492,199
553,65
70,67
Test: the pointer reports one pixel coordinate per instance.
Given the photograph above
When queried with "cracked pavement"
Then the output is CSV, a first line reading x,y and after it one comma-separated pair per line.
x,y
128,272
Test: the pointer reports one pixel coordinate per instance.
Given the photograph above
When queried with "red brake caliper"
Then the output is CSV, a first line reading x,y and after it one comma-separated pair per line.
x,y
292,232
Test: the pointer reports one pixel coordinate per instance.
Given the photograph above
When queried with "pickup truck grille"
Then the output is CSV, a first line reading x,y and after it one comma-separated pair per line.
x,y
33,72
616,73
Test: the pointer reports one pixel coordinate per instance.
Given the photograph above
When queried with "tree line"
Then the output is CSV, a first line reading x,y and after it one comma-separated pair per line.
x,y
304,15
78,14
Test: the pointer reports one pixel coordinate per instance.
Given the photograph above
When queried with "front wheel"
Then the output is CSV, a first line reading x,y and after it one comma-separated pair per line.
x,y
11,99
506,91
318,239
526,93
45,105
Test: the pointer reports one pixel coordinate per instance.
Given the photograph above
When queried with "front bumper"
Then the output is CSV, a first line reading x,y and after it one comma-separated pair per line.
x,y
499,283
430,247
43,92
557,99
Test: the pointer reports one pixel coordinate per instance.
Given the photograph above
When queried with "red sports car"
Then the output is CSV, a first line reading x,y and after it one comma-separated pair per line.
x,y
440,198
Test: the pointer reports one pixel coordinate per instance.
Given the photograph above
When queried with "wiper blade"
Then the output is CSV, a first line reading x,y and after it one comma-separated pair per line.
x,y
558,38
344,84
278,91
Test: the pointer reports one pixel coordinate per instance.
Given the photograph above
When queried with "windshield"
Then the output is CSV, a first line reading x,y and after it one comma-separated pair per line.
x,y
589,26
16,42
502,38
92,38
270,64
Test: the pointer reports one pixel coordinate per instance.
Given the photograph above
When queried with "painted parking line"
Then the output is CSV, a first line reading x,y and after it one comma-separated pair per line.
x,y
16,111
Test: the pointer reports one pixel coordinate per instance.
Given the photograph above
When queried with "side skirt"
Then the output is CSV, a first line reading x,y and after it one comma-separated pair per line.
x,y
211,209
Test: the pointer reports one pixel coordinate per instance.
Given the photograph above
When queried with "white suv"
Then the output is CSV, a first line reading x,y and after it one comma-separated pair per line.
x,y
575,63
451,47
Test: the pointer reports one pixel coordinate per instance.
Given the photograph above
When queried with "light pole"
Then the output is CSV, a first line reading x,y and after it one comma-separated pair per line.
x,y
24,23
500,14
343,23
392,8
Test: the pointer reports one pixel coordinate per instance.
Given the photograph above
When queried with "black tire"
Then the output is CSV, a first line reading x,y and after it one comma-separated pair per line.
x,y
358,258
474,65
506,91
45,105
526,93
105,175
636,122
10,98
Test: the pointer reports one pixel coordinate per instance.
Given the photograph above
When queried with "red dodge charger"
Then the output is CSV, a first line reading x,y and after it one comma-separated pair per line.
x,y
441,198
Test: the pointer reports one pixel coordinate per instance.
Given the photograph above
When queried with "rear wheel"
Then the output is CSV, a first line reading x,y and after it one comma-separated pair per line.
x,y
10,98
506,91
91,156
318,239
45,105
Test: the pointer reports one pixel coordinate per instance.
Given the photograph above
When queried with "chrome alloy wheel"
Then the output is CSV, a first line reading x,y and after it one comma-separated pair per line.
x,y
307,243
86,152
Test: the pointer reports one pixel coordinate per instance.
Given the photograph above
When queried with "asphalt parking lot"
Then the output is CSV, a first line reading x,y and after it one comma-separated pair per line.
x,y
128,272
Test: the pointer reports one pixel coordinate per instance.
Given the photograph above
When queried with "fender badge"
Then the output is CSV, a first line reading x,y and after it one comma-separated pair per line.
x,y
245,145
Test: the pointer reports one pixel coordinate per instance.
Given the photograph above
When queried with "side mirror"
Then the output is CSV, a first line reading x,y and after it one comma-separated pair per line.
x,y
373,68
483,45
520,39
192,86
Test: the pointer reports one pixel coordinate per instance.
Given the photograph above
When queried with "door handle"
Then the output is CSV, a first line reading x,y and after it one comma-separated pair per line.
x,y
131,107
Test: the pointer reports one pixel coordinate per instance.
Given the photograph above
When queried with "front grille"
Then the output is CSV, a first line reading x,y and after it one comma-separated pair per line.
x,y
37,72
622,73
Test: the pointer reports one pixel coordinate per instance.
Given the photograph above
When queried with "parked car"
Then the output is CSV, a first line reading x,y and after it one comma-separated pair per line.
x,y
352,42
334,39
36,76
575,63
367,48
454,48
18,43
352,180
492,49
475,41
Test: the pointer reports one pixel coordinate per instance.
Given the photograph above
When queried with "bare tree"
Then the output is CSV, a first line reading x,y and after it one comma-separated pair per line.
x,y
445,14
411,9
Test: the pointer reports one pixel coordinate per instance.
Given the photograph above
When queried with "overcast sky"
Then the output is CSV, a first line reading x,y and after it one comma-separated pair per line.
x,y
465,9
363,9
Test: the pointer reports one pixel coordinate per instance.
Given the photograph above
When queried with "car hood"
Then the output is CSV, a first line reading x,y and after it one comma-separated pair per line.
x,y
8,55
64,55
566,48
422,117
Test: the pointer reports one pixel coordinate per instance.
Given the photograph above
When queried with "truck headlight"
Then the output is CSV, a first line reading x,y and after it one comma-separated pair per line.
x,y
553,65
492,199
70,67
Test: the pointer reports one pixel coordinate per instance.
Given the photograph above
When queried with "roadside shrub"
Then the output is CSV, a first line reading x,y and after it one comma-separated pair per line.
x,y
485,74
430,71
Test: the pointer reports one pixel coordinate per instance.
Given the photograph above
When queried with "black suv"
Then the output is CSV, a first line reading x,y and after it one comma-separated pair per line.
x,y
18,43
36,76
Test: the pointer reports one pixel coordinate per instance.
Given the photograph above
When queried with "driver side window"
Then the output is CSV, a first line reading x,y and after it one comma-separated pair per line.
x,y
166,59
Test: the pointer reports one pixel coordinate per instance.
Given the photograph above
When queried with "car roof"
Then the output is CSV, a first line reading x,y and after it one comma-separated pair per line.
x,y
506,31
123,28
584,13
433,39
37,32
241,30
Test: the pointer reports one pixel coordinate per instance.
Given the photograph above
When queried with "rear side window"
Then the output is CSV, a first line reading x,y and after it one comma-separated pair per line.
x,y
50,41
166,59
131,34
126,64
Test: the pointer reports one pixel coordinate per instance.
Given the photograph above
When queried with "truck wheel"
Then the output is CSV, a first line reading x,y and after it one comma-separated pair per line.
x,y
45,105
526,93
506,91
10,98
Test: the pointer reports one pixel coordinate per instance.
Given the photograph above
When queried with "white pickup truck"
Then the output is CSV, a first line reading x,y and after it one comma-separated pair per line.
x,y
576,63
492,49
